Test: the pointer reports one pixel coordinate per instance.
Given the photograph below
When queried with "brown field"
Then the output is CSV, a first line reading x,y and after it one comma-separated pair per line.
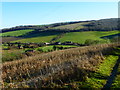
x,y
8,39
75,26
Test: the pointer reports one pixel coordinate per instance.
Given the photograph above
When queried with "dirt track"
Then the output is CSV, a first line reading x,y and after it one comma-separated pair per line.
x,y
112,76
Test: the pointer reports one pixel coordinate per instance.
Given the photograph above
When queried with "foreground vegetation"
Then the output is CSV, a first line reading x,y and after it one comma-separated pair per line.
x,y
98,78
46,69
116,82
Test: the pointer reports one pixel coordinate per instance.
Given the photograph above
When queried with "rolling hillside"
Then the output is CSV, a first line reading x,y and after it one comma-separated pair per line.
x,y
77,32
93,25
78,37
81,37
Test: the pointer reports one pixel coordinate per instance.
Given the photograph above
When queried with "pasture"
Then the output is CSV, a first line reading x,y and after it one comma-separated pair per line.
x,y
81,37
16,33
77,37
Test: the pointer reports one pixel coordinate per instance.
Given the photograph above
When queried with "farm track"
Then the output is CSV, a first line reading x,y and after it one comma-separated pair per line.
x,y
112,76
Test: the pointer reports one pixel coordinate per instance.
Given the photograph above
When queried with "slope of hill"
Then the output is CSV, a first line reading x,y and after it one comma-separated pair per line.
x,y
103,24
63,31
42,36
81,37
78,37
38,27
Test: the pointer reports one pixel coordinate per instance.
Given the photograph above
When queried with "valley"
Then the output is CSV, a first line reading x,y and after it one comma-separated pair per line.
x,y
77,55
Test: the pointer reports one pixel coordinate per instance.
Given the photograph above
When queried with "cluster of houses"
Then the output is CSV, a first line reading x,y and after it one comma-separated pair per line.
x,y
35,45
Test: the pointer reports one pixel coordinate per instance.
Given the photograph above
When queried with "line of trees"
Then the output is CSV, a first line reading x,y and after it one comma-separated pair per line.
x,y
95,25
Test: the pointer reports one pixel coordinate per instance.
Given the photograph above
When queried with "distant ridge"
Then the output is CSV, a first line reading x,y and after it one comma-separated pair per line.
x,y
93,25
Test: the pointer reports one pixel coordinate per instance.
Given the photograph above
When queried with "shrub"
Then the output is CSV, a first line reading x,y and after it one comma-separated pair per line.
x,y
91,42
39,49
29,50
54,47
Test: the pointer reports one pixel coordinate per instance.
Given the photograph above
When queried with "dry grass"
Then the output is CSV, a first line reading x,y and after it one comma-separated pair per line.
x,y
75,26
53,65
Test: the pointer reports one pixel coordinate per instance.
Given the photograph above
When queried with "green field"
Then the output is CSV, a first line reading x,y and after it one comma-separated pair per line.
x,y
80,37
16,33
39,37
